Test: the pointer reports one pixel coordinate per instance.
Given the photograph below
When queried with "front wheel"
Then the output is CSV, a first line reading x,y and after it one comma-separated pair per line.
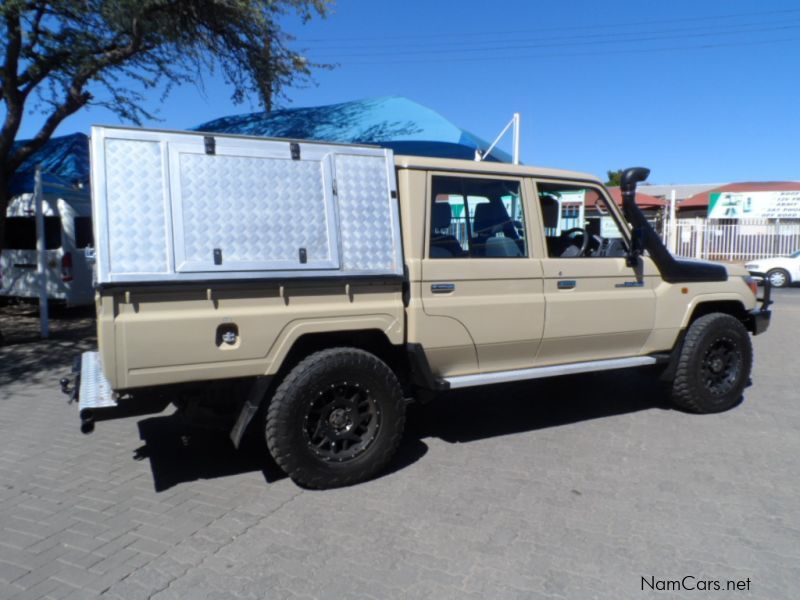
x,y
336,419
714,365
778,278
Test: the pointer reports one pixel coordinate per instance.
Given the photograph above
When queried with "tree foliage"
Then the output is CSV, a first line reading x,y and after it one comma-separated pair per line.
x,y
59,56
614,177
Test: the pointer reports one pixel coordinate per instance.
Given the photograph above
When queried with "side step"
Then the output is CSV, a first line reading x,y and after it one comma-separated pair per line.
x,y
462,381
94,392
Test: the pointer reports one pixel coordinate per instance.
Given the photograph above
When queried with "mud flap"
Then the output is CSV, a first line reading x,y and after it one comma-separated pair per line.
x,y
250,408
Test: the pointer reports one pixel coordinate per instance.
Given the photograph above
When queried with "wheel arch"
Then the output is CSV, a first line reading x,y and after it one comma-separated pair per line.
x,y
373,341
732,307
705,306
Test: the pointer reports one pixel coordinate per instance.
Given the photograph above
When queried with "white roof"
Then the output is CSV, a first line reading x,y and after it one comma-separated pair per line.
x,y
682,190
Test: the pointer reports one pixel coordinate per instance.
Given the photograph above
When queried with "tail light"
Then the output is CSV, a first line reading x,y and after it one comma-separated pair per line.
x,y
66,267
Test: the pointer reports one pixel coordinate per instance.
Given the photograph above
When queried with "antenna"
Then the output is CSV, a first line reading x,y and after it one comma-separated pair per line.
x,y
515,121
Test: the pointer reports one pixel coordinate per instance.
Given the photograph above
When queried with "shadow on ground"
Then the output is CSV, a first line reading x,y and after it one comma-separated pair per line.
x,y
180,453
478,413
26,357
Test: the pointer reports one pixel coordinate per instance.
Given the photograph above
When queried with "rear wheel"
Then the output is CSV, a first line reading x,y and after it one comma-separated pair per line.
x,y
336,419
778,278
714,365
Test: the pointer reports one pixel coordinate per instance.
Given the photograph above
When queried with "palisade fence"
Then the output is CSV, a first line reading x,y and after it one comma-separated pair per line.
x,y
711,239
734,241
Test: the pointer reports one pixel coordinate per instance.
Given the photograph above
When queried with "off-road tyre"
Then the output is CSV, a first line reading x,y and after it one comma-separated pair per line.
x,y
782,277
713,366
316,394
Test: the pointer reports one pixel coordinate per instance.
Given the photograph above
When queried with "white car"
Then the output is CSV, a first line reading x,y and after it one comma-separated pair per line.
x,y
780,270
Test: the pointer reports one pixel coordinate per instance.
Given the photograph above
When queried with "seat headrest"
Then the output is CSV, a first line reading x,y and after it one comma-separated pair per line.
x,y
442,215
502,247
489,215
550,211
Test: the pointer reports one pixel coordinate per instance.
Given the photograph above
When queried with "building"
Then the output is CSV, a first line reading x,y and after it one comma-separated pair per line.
x,y
698,204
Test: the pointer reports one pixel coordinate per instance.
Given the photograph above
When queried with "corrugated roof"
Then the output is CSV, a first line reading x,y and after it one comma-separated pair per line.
x,y
702,199
644,200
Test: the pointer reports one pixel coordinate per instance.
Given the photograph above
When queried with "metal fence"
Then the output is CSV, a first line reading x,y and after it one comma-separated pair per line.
x,y
711,239
737,241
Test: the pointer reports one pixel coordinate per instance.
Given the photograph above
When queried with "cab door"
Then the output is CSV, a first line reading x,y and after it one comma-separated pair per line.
x,y
597,306
480,284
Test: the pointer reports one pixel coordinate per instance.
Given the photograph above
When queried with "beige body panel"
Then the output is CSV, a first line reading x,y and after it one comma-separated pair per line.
x,y
609,313
500,305
172,336
675,304
501,315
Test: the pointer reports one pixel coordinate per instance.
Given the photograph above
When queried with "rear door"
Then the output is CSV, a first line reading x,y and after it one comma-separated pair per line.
x,y
481,286
597,306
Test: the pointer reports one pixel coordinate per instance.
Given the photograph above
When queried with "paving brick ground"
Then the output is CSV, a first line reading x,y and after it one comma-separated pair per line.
x,y
571,488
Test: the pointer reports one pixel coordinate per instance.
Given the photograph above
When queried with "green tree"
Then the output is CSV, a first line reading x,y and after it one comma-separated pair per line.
x,y
614,177
57,57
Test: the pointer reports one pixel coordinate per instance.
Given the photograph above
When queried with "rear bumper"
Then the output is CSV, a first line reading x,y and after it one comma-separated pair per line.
x,y
91,389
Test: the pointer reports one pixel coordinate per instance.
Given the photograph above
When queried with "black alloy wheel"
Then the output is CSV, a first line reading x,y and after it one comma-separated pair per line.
x,y
336,418
714,364
721,366
341,422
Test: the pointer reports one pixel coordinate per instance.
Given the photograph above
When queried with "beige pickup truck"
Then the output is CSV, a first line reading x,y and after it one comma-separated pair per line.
x,y
308,291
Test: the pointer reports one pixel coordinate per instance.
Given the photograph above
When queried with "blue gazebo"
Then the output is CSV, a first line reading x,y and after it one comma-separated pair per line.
x,y
391,122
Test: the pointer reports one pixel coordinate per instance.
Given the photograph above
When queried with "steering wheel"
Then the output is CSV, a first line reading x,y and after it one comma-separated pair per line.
x,y
602,245
584,238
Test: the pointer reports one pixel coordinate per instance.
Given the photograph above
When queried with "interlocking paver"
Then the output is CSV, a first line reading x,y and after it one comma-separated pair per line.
x,y
569,488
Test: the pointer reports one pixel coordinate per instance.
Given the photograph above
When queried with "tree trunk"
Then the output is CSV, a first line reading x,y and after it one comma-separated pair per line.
x,y
5,198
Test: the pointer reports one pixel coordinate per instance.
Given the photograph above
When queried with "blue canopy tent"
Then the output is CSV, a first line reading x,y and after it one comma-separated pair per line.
x,y
391,122
64,161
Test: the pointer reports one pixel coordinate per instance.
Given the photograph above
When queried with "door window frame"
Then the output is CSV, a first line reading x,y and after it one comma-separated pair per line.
x,y
527,212
611,207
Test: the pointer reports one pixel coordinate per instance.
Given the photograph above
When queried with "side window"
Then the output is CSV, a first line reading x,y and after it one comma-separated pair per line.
x,y
84,237
21,233
578,223
476,218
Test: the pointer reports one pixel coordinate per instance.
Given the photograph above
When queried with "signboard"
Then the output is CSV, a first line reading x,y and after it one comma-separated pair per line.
x,y
608,228
754,205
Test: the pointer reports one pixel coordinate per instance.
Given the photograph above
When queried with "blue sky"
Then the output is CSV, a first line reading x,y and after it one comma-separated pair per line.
x,y
699,91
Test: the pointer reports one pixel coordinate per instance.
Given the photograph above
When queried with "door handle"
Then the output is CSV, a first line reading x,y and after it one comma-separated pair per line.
x,y
443,288
567,284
